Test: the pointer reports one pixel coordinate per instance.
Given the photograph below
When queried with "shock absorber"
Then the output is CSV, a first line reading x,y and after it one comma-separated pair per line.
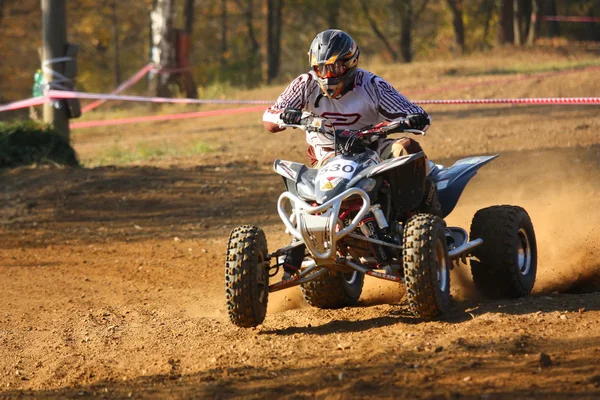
x,y
374,226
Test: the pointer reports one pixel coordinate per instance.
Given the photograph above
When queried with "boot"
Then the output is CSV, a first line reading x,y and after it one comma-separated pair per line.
x,y
293,262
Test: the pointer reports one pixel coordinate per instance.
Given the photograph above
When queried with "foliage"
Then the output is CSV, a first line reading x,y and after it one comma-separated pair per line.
x,y
26,143
225,54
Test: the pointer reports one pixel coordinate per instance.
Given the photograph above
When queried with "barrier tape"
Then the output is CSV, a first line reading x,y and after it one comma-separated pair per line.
x,y
533,100
135,78
123,121
36,101
60,94
125,85
571,100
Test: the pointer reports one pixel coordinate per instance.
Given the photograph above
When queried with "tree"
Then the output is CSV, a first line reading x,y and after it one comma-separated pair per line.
x,y
184,45
163,45
253,55
409,15
506,33
274,9
535,22
223,56
1,11
114,16
553,26
333,12
457,22
377,31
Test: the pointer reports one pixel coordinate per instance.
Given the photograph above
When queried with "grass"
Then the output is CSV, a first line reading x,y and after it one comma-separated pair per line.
x,y
120,154
529,68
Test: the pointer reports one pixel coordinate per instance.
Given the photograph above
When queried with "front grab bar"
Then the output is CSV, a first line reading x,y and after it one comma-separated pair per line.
x,y
300,205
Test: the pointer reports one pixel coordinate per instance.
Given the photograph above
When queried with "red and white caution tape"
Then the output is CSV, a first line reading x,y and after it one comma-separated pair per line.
x,y
33,101
151,118
538,100
60,94
125,85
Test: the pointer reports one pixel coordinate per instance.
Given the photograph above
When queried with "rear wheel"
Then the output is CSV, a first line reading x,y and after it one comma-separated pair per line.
x,y
247,276
426,266
334,291
507,259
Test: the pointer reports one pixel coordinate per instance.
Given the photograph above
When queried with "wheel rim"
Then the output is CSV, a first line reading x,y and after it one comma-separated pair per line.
x,y
523,252
260,278
442,266
350,277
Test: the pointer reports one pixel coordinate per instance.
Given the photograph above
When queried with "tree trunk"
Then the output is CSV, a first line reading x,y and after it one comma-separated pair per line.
x,y
517,28
189,16
406,39
490,8
163,46
457,22
1,11
534,24
506,33
254,59
333,13
274,8
223,57
379,34
406,10
184,46
116,43
553,26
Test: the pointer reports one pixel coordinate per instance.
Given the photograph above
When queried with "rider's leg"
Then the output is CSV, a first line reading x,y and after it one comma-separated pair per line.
x,y
391,148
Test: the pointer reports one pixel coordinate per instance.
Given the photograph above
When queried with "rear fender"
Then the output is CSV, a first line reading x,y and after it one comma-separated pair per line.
x,y
452,181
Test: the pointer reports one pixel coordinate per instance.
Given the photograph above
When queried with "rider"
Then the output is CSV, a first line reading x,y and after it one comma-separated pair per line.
x,y
350,97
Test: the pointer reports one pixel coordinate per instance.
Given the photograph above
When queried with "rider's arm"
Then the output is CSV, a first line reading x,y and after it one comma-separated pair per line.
x,y
393,106
292,96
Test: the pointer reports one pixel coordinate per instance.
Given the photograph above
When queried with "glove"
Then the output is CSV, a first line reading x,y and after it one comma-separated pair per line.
x,y
417,121
291,116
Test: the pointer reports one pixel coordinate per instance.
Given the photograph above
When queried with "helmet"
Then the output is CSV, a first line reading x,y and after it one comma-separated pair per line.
x,y
333,57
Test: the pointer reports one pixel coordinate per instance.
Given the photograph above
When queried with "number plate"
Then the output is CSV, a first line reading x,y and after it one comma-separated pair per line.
x,y
338,169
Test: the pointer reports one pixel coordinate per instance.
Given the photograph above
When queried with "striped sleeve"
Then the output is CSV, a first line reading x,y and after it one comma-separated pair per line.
x,y
390,103
293,96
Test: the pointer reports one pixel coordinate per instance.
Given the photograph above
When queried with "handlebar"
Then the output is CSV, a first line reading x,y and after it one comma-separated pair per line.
x,y
390,128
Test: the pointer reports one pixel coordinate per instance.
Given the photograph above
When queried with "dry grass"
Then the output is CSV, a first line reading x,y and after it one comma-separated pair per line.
x,y
453,125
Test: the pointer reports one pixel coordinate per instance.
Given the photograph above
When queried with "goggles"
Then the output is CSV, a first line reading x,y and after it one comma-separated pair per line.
x,y
334,70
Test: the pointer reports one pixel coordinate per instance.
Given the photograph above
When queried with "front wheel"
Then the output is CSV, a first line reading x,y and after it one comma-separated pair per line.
x,y
247,276
506,263
426,266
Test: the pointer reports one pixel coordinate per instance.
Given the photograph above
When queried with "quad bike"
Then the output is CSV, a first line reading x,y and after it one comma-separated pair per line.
x,y
359,215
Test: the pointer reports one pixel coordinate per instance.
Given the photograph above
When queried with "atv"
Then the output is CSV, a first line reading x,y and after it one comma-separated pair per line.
x,y
359,215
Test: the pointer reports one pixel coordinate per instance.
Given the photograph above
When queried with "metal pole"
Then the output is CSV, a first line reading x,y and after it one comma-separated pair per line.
x,y
54,38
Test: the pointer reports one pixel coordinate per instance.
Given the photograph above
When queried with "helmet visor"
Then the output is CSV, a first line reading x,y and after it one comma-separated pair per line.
x,y
334,70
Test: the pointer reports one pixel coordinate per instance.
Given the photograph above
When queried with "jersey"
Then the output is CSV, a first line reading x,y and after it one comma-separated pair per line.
x,y
372,100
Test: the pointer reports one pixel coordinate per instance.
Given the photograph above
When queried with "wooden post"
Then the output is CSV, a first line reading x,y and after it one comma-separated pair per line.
x,y
54,41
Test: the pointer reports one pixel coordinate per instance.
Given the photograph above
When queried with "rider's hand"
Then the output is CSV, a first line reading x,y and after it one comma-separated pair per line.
x,y
417,121
291,116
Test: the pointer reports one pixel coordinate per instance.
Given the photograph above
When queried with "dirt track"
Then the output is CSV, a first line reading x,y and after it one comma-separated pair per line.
x,y
112,277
